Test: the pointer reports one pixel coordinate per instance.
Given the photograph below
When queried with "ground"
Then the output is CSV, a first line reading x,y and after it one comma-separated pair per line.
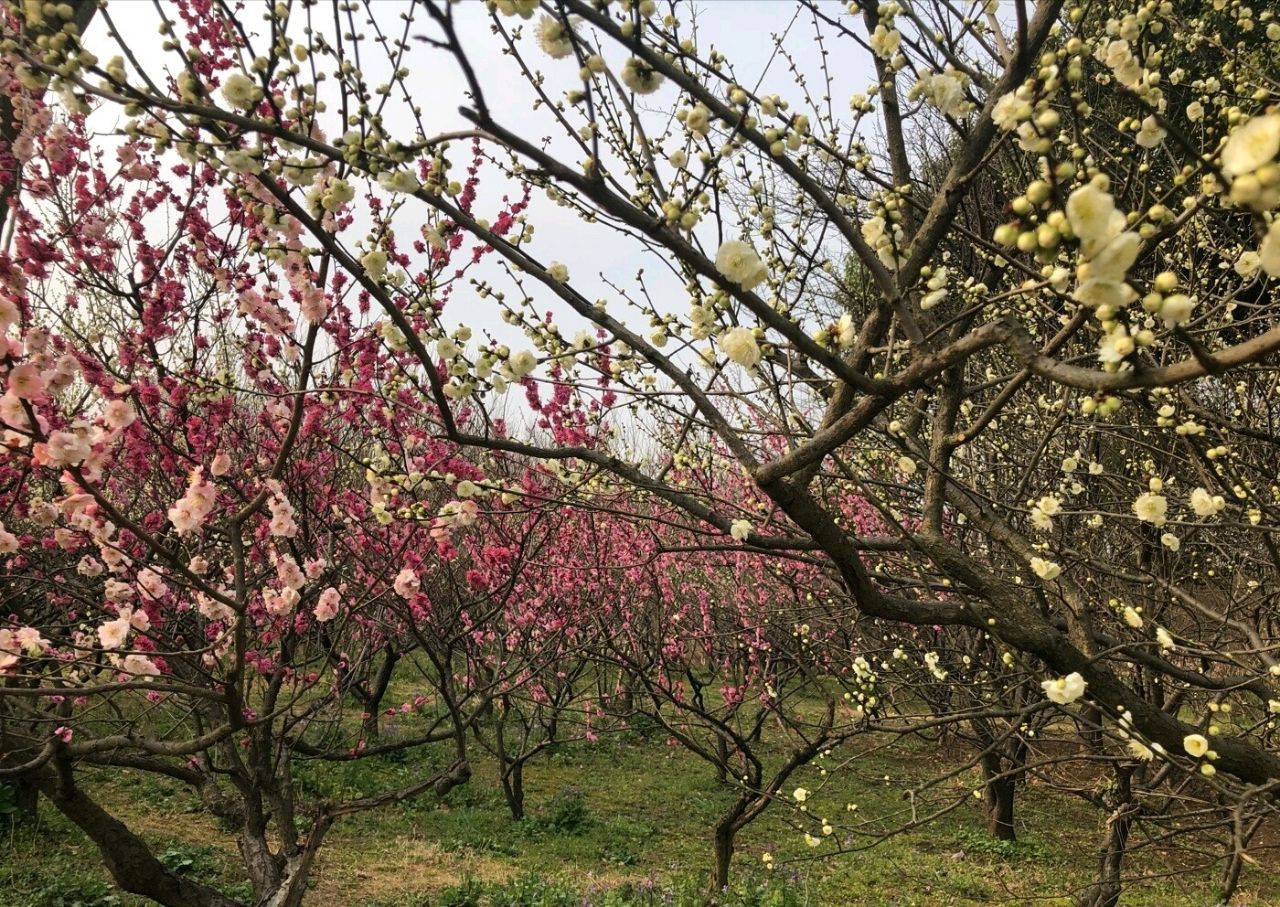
x,y
633,811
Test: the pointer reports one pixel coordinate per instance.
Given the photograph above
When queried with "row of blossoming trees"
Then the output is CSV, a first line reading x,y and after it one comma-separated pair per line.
x,y
967,426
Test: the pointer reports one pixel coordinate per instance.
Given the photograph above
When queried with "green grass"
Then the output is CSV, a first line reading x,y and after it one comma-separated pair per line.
x,y
632,817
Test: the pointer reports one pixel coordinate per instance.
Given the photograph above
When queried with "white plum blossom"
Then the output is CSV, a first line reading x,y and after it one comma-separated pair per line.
x,y
1250,146
399,181
740,530
1094,220
554,37
522,363
640,77
945,91
1269,251
1064,690
374,263
1205,504
241,92
740,346
1151,134
740,263
1010,110
885,41
1045,569
1176,310
1151,507
1196,745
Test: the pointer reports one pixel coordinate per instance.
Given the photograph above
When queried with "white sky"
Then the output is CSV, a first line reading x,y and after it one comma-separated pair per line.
x,y
741,29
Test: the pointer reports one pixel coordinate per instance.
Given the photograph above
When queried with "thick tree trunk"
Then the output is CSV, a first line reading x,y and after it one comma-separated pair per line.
x,y
999,797
1108,886
723,856
998,792
127,857
726,830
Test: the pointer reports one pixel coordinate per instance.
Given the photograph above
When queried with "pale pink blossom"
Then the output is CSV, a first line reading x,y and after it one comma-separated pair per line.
x,y
67,448
407,583
221,465
119,414
139,666
26,382
282,602
327,605
113,633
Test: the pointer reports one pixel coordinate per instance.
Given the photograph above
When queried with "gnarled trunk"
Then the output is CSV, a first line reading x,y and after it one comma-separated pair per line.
x,y
127,857
1107,886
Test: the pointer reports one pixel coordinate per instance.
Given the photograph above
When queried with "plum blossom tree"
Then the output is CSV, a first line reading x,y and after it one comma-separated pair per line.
x,y
1041,353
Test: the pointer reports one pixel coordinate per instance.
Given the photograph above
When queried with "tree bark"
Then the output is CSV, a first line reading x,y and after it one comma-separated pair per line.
x,y
723,849
998,795
127,857
1108,886
513,788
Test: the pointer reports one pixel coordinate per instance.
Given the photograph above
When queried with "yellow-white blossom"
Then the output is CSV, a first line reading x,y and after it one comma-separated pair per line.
x,y
1205,504
640,77
740,263
554,37
1046,570
241,92
1250,146
1151,508
740,346
1196,745
1064,690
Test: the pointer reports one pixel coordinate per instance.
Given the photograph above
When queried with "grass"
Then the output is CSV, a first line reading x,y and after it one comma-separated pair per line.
x,y
617,813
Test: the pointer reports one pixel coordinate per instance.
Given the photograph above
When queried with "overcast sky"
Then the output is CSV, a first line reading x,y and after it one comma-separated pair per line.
x,y
741,29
